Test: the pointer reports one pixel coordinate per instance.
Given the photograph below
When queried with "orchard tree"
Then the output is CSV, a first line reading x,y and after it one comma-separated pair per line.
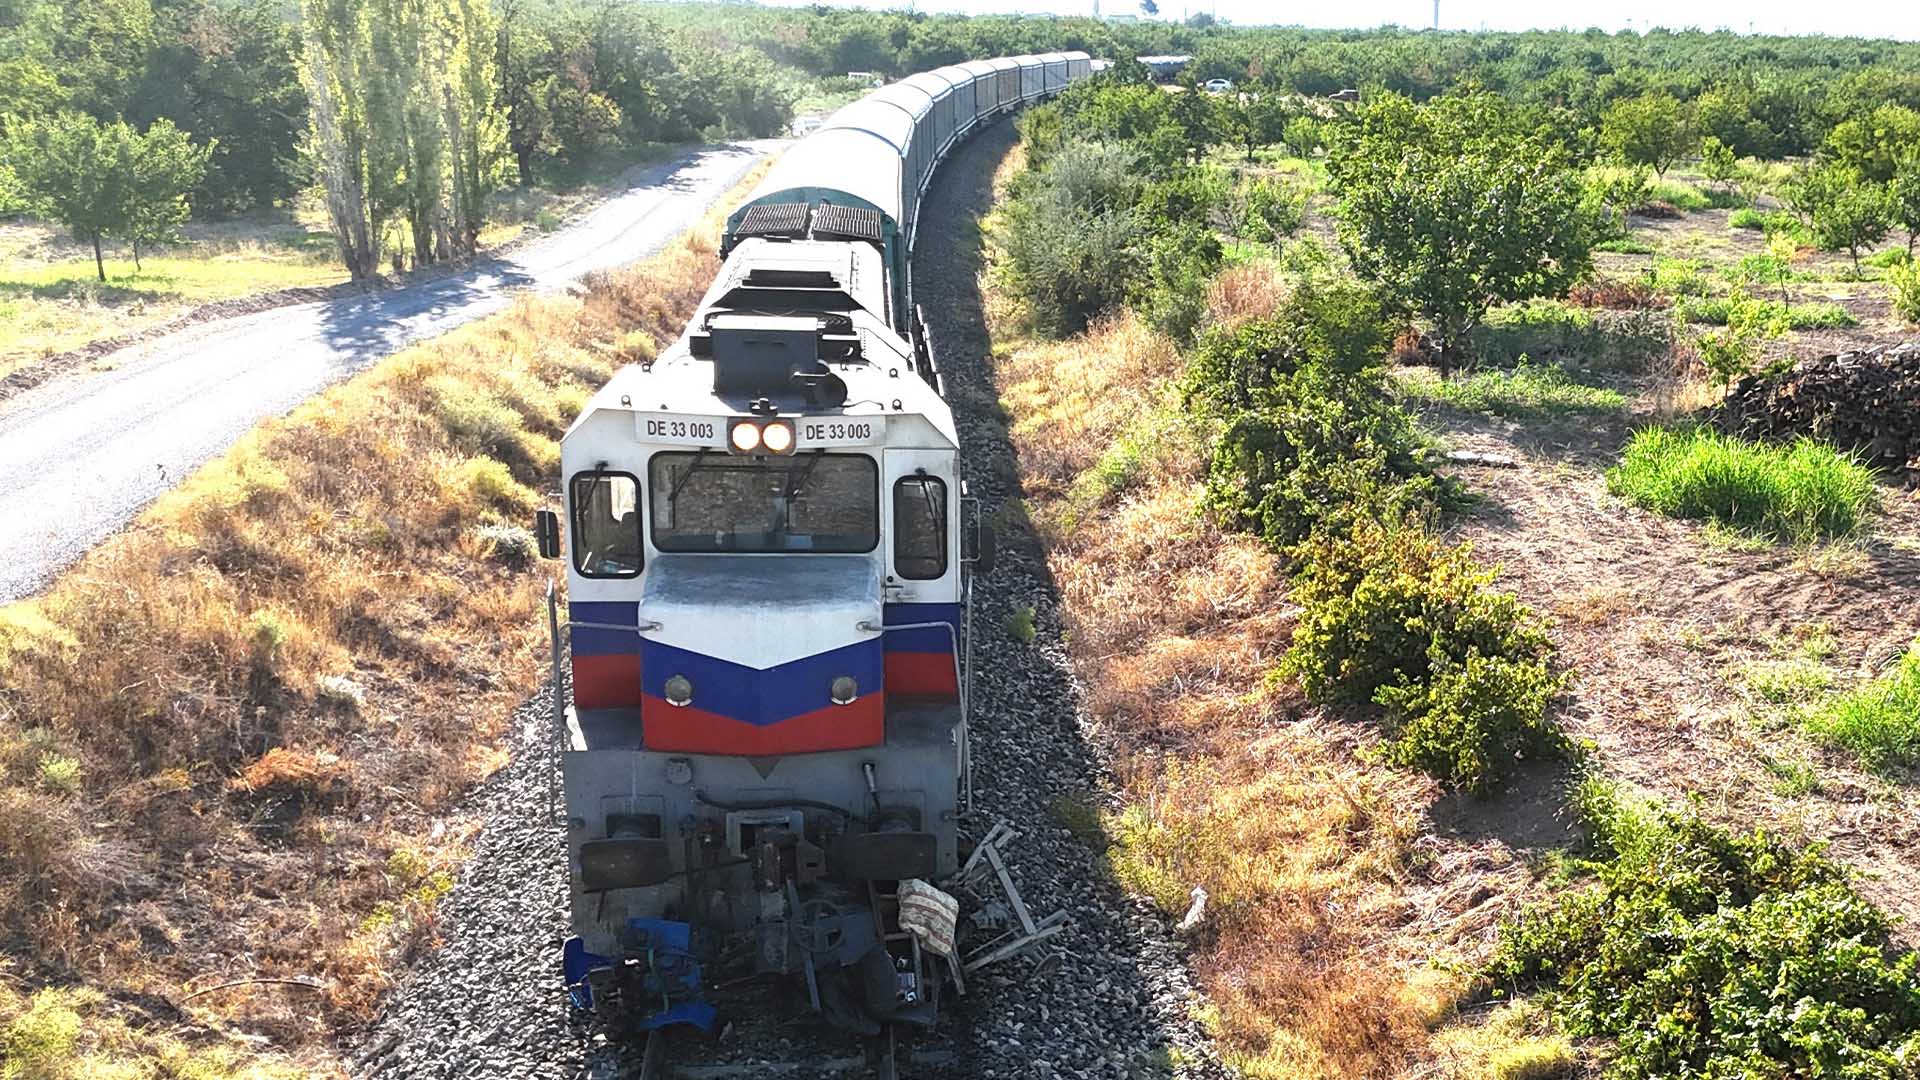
x,y
1717,162
1195,112
1845,212
1652,130
1870,146
1256,120
1903,195
107,181
1454,206
78,172
166,166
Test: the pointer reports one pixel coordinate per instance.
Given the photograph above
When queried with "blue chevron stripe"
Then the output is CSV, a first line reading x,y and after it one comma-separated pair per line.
x,y
760,696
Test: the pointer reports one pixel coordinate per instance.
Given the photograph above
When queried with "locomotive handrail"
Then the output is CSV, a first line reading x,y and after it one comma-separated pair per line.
x,y
640,627
960,680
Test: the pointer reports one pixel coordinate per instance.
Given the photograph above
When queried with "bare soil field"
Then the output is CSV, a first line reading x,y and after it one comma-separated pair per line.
x,y
1677,631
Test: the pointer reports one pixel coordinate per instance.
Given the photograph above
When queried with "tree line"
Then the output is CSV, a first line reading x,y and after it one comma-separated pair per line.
x,y
118,118
410,115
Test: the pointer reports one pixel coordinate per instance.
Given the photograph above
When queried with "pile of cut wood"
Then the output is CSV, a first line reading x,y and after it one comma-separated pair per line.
x,y
1867,401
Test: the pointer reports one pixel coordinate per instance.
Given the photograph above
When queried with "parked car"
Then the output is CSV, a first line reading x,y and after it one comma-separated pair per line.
x,y
1218,86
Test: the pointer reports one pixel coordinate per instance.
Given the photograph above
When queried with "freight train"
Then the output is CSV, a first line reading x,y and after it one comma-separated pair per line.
x,y
769,553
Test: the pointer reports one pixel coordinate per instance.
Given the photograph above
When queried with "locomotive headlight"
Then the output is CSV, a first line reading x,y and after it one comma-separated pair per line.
x,y
844,690
777,437
679,690
745,437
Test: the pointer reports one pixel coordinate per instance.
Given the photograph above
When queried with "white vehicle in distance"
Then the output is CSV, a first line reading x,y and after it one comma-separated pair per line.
x,y
1218,86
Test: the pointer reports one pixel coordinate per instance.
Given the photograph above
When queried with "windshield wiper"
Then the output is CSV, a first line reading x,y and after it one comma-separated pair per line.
x,y
686,476
796,482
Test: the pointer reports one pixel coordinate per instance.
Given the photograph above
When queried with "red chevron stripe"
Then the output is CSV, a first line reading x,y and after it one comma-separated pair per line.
x,y
690,730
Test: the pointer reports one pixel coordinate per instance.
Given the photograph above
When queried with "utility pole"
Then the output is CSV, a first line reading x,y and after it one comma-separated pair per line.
x,y
1436,14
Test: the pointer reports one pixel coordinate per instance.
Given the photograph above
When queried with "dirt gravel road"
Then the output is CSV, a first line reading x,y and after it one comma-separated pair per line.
x,y
80,456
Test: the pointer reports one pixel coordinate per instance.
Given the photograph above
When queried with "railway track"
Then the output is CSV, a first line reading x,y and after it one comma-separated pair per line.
x,y
1107,999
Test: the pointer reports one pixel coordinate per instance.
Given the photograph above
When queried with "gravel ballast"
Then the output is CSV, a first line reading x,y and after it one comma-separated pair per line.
x,y
1110,998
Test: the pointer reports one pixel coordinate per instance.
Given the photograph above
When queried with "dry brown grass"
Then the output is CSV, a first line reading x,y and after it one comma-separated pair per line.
x,y
275,688
1327,901
1245,292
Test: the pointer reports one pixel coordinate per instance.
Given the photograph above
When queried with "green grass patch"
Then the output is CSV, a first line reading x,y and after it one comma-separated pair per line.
x,y
1792,777
1880,260
1878,723
1527,392
1680,277
1713,310
1681,196
1020,626
1625,245
1768,221
1802,492
48,307
1708,954
1541,328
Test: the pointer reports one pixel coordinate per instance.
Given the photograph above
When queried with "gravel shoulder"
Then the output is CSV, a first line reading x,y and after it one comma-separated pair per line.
x,y
1109,999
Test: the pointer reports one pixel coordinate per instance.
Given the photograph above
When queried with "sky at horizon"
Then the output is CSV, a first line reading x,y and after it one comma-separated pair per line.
x,y
1846,18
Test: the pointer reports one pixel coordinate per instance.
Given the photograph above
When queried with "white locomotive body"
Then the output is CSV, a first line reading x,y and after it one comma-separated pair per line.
x,y
767,600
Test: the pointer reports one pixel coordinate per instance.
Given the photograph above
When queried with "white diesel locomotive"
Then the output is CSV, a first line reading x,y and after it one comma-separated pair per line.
x,y
767,598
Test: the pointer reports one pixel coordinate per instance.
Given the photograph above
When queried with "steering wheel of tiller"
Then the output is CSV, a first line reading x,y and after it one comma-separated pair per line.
x,y
811,932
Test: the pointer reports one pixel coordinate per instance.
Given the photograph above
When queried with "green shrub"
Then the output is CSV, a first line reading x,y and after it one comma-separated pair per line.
x,y
1903,278
1705,954
1380,606
1335,323
1801,492
1271,208
1715,311
1307,431
1472,718
1879,723
1529,391
1731,352
1624,245
1070,236
1173,293
1392,616
1328,446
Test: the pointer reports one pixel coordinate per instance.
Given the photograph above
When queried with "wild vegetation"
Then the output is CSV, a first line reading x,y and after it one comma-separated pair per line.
x,y
1703,953
285,677
1260,552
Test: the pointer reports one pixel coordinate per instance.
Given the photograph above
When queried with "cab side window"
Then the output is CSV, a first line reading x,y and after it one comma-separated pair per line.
x,y
920,527
606,524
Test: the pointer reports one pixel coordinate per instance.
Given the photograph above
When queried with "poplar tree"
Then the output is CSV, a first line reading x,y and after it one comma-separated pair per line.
x,y
406,132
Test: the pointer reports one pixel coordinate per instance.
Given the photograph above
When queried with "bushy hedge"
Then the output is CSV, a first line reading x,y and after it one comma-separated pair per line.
x,y
1306,428
1708,954
1109,213
1390,615
1312,453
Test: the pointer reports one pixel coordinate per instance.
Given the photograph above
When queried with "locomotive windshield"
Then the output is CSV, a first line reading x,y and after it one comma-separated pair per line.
x,y
713,502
